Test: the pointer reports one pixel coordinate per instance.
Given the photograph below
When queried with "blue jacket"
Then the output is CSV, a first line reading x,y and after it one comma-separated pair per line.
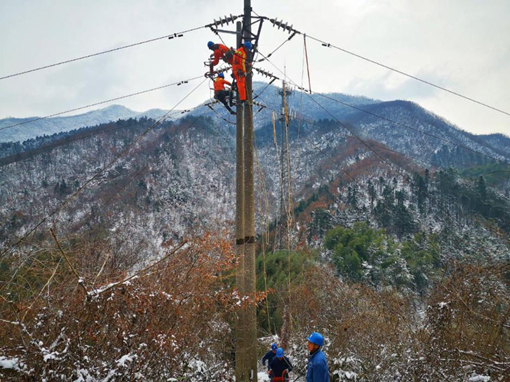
x,y
269,357
279,365
317,370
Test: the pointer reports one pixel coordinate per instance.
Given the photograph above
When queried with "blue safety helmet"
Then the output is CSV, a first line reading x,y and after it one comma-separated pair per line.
x,y
316,338
248,45
209,44
279,352
221,75
274,346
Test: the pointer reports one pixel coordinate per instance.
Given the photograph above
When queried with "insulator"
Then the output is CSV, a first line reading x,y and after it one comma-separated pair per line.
x,y
175,35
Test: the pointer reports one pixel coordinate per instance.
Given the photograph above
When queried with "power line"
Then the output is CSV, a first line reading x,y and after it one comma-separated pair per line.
x,y
64,141
178,83
339,122
167,36
4,161
389,120
117,192
140,172
108,166
408,75
221,21
290,29
279,46
326,156
412,128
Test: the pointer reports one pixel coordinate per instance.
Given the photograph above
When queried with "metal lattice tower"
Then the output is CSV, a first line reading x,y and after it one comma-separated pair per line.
x,y
285,217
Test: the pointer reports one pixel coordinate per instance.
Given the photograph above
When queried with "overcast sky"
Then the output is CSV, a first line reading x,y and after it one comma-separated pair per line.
x,y
463,45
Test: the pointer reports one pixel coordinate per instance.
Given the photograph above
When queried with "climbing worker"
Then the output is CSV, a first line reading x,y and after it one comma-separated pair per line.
x,y
269,355
220,93
317,370
239,68
220,51
280,367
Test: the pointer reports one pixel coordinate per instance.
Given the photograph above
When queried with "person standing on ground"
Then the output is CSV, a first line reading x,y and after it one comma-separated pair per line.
x,y
317,369
280,367
269,355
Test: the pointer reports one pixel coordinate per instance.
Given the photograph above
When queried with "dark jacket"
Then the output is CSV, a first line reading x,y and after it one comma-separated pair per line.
x,y
279,365
317,370
268,357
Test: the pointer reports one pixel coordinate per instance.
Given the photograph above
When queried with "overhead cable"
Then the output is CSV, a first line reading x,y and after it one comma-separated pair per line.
x,y
98,174
178,83
221,21
289,29
390,120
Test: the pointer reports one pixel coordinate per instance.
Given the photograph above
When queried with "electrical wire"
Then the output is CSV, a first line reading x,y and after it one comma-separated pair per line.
x,y
167,36
4,161
108,166
412,128
116,193
325,155
389,120
178,83
279,46
343,124
329,45
140,172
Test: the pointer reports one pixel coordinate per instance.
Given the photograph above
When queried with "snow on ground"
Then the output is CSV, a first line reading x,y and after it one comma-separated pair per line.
x,y
480,378
9,363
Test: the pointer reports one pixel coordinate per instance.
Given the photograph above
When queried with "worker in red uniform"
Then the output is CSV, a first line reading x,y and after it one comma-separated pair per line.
x,y
220,52
219,91
240,67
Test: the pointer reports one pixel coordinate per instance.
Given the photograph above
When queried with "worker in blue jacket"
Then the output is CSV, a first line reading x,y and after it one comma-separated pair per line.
x,y
280,367
269,355
317,370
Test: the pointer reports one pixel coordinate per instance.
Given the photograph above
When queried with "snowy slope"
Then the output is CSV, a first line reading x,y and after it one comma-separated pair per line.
x,y
55,125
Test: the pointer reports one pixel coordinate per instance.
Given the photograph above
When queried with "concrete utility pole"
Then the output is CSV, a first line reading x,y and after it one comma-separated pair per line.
x,y
249,212
246,325
240,321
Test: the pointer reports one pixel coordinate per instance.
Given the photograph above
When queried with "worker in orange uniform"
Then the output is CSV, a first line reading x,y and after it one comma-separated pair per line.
x,y
220,93
239,68
220,51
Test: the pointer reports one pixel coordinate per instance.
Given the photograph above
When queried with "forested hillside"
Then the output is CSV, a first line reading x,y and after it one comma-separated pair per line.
x,y
118,260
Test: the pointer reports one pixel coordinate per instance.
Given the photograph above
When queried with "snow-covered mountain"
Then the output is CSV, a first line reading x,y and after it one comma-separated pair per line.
x,y
48,126
402,126
188,164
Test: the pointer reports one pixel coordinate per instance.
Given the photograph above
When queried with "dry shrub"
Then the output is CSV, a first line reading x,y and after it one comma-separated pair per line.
x,y
170,321
468,323
367,332
381,335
